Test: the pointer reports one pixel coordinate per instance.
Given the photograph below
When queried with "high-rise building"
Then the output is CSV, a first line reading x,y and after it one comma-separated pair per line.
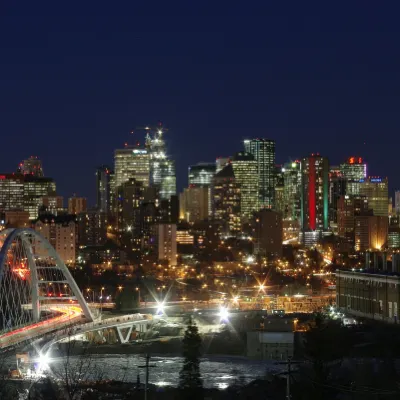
x,y
130,196
263,151
371,232
92,228
279,190
131,162
267,233
397,202
31,166
162,168
337,188
226,200
77,205
11,192
60,231
201,174
221,163
245,169
353,170
292,190
377,191
35,188
53,205
103,189
193,203
348,208
166,240
314,197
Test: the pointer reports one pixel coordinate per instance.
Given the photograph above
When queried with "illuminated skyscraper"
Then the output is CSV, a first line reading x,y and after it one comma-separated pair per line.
x,y
263,151
193,203
103,189
131,163
77,205
35,188
162,168
201,174
221,163
353,170
245,169
31,166
314,197
226,200
377,191
292,190
397,202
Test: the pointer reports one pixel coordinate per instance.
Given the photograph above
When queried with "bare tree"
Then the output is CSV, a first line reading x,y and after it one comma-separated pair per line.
x,y
75,370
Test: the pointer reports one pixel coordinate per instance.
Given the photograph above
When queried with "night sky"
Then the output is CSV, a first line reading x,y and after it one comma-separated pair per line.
x,y
77,77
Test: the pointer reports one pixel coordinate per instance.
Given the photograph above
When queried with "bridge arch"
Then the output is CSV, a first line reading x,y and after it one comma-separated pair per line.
x,y
34,282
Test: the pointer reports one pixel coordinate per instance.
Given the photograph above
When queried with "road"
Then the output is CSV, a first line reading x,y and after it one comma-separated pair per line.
x,y
70,314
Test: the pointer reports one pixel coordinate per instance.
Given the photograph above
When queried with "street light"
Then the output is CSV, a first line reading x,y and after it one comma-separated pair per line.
x,y
138,290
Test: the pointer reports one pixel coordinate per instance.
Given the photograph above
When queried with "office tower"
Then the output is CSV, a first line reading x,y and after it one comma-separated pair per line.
x,y
166,243
92,228
77,205
337,188
394,232
267,233
314,197
201,174
226,200
194,203
221,163
292,190
397,202
60,231
263,151
246,175
103,189
279,190
31,166
129,197
162,168
52,204
11,192
131,162
353,170
377,192
35,188
371,232
348,208
168,210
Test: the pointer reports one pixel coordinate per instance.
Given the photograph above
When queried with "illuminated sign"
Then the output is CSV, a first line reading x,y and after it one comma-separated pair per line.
x,y
136,151
355,160
376,180
2,177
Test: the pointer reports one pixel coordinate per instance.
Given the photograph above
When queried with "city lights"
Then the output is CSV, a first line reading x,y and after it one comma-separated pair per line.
x,y
223,314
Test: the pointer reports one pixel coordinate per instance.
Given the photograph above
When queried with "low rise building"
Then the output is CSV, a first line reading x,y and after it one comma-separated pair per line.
x,y
373,294
273,341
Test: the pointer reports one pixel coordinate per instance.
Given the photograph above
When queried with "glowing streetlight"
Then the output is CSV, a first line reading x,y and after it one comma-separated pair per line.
x,y
160,308
223,314
250,259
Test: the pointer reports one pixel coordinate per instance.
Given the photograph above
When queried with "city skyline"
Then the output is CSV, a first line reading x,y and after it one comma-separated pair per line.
x,y
319,80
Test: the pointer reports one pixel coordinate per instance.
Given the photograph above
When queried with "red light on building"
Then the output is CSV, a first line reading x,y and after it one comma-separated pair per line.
x,y
2,177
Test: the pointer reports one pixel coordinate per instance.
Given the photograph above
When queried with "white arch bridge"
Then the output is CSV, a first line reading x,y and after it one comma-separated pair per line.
x,y
38,294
